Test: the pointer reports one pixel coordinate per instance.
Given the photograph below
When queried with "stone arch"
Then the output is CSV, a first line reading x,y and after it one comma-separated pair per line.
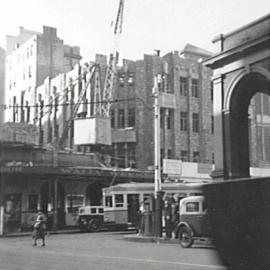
x,y
236,126
238,77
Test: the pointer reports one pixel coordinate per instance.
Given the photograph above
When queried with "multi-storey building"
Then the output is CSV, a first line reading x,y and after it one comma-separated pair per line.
x,y
2,83
184,100
31,57
185,109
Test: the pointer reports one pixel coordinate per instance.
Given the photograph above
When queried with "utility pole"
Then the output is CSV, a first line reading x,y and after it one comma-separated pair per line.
x,y
2,204
158,191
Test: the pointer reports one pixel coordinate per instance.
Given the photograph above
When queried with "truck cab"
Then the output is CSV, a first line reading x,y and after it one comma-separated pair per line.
x,y
193,221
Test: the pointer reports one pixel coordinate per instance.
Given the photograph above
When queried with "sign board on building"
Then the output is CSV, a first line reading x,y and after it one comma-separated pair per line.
x,y
172,166
18,133
93,130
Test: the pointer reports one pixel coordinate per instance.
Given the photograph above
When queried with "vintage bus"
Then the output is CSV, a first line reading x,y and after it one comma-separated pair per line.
x,y
121,203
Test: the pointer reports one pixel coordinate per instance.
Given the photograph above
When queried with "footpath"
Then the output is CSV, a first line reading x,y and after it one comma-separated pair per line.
x,y
150,239
129,236
29,233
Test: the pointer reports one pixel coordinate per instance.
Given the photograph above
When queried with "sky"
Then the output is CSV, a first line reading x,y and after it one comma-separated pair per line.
x,y
166,25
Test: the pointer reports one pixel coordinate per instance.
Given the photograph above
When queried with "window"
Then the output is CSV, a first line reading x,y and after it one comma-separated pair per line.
x,y
22,106
162,156
27,52
27,112
49,134
131,117
31,50
131,152
212,124
161,117
195,122
119,200
170,154
74,202
112,114
121,118
192,207
108,201
170,119
121,79
32,202
183,86
131,79
14,109
13,206
183,121
184,155
121,155
212,91
164,84
30,74
265,105
194,87
196,156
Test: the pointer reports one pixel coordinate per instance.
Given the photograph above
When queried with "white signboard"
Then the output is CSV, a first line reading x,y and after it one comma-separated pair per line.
x,y
172,166
92,131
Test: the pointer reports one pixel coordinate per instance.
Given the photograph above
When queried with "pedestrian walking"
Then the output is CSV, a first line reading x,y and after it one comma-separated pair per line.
x,y
39,230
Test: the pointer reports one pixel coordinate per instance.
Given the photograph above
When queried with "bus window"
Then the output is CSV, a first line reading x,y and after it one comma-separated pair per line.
x,y
119,200
108,201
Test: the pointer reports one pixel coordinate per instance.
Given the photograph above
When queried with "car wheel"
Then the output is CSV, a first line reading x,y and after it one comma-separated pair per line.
x,y
94,225
185,237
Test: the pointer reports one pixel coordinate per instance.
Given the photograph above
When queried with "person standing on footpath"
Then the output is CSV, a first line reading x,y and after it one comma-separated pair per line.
x,y
141,218
168,217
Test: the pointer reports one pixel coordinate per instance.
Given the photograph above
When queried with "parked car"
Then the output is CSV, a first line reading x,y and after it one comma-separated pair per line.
x,y
193,221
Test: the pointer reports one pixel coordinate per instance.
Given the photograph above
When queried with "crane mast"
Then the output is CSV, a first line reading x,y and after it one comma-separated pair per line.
x,y
113,60
99,109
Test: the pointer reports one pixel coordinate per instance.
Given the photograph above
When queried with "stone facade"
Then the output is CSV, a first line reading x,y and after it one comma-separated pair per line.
x,y
241,99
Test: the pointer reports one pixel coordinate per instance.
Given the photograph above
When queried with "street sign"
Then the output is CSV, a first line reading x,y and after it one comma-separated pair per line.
x,y
172,166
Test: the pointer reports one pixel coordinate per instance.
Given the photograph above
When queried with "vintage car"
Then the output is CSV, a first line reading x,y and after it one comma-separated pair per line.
x,y
193,221
90,218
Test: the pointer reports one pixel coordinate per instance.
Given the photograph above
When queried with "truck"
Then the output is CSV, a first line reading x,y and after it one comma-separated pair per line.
x,y
194,224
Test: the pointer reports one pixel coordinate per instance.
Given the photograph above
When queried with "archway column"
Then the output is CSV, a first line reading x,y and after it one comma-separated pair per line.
x,y
236,143
218,127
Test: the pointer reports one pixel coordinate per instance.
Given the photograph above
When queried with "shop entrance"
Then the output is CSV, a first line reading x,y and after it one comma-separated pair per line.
x,y
47,202
94,194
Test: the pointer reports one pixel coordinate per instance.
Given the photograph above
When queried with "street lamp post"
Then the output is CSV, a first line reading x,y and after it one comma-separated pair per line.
x,y
158,192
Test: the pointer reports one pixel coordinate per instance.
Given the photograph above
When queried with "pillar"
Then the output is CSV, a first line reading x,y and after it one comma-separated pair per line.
x,y
55,206
218,127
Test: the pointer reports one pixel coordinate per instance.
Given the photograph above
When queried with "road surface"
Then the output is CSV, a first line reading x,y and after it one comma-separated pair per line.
x,y
101,251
